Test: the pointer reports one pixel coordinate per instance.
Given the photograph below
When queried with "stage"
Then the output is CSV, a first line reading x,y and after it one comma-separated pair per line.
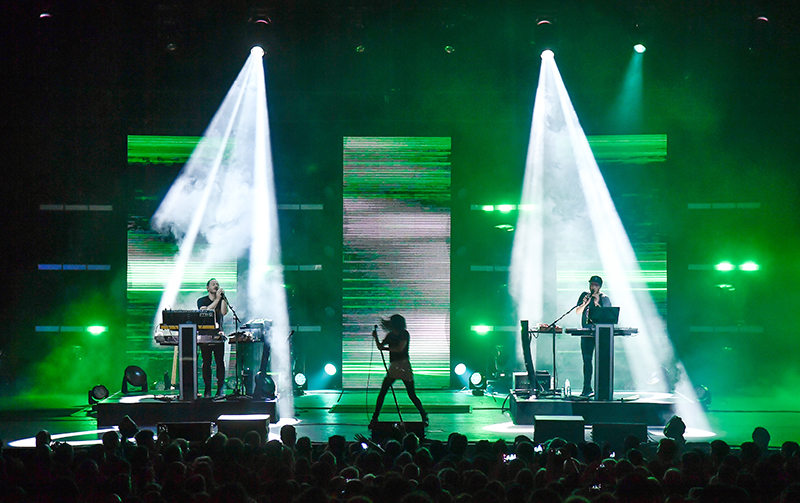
x,y
153,409
652,409
322,413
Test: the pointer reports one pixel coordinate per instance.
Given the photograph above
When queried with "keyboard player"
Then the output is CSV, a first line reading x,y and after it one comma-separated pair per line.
x,y
215,300
594,297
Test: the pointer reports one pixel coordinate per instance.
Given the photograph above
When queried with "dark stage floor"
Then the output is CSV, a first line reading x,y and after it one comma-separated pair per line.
x,y
319,414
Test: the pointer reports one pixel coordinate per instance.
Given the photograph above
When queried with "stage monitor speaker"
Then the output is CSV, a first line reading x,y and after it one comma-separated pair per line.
x,y
239,425
570,428
615,434
196,431
521,381
383,430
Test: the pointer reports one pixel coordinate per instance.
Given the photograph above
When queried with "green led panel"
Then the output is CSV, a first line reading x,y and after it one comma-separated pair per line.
x,y
151,261
152,149
651,276
636,149
629,149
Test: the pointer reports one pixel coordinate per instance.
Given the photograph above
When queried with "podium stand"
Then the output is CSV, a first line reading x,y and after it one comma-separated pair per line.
x,y
604,356
187,358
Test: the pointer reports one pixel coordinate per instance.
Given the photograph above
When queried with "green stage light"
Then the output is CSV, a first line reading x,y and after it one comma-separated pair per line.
x,y
505,208
300,384
96,329
487,207
749,266
330,369
476,378
477,383
724,266
97,394
460,369
482,329
639,48
134,377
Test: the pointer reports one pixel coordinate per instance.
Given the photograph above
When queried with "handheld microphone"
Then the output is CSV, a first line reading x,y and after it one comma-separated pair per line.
x,y
375,331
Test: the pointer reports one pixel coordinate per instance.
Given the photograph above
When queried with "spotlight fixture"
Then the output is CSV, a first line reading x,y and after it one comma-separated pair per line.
x,y
330,369
703,395
460,369
477,383
136,377
548,54
257,51
640,48
265,386
300,383
97,394
127,427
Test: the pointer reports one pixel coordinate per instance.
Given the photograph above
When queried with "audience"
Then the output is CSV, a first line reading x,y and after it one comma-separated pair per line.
x,y
398,469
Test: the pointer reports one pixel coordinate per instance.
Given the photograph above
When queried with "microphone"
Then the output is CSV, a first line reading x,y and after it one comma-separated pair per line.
x,y
375,331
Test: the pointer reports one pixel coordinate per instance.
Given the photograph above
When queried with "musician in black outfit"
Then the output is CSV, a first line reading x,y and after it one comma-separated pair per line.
x,y
594,297
215,300
396,342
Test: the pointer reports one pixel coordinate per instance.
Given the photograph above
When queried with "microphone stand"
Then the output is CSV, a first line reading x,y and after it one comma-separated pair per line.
x,y
237,390
552,329
396,403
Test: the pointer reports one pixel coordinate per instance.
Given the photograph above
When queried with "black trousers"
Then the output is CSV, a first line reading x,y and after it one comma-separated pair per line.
x,y
218,350
587,351
412,394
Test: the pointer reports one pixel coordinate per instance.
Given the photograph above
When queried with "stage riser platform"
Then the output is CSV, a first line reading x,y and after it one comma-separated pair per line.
x,y
152,412
650,413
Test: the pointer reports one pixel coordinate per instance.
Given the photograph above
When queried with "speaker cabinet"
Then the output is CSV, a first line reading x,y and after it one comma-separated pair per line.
x,y
239,425
198,431
570,428
520,381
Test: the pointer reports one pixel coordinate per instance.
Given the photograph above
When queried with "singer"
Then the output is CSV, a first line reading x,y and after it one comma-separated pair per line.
x,y
396,342
215,300
594,297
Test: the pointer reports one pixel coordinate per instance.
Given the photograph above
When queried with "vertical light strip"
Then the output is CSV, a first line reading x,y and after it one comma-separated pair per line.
x,y
396,254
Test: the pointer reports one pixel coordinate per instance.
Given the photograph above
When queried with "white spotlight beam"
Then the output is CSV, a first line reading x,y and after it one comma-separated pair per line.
x,y
183,210
226,193
571,218
265,292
